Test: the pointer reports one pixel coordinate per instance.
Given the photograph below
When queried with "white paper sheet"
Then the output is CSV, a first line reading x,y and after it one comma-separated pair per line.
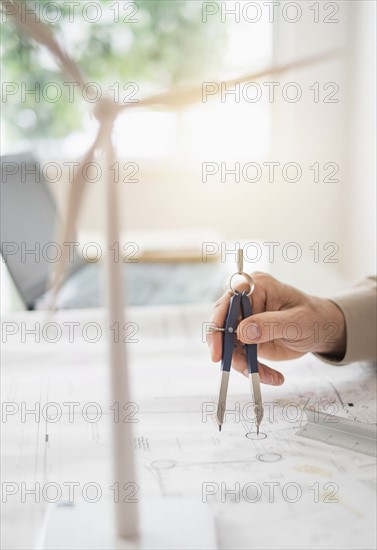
x,y
179,451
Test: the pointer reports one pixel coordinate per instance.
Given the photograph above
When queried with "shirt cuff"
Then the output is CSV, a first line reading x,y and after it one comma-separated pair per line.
x,y
359,308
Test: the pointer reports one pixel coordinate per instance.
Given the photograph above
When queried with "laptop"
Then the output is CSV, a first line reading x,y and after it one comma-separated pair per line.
x,y
28,224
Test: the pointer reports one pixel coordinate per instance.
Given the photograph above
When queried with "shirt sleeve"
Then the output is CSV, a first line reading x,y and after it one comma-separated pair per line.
x,y
359,307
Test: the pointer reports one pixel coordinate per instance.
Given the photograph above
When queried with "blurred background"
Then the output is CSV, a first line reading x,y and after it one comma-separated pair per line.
x,y
328,130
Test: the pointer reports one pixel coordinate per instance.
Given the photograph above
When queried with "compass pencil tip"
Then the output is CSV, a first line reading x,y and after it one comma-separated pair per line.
x,y
219,427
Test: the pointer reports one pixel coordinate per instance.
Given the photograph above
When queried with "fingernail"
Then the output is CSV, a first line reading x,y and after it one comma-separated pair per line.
x,y
281,379
269,379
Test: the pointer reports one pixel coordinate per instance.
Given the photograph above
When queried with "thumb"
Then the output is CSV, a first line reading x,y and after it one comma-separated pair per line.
x,y
264,327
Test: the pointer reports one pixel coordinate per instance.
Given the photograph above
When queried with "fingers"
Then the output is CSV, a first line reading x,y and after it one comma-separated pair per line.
x,y
278,351
267,374
261,328
265,327
214,339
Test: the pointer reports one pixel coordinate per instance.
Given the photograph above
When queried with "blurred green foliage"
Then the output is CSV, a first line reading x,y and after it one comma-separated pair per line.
x,y
167,43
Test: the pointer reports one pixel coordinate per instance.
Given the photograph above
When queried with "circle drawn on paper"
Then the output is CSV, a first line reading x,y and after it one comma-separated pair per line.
x,y
269,457
163,464
255,437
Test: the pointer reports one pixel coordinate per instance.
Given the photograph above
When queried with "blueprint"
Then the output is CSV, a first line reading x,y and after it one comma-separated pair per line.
x,y
258,487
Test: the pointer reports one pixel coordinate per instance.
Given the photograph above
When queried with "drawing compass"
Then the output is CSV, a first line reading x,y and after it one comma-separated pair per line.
x,y
239,308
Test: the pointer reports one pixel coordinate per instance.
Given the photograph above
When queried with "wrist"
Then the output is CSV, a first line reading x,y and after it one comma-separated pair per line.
x,y
333,331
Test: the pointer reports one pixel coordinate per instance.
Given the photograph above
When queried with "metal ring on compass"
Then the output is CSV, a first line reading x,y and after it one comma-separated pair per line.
x,y
248,278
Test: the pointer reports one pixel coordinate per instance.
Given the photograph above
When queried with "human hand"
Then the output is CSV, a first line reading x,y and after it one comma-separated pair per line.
x,y
286,323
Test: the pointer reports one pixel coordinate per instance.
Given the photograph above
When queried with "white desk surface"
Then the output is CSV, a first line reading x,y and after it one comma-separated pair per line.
x,y
176,451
